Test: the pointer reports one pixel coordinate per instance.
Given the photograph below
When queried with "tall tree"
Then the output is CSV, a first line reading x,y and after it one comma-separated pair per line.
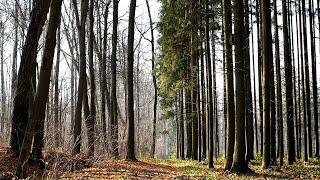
x,y
248,96
56,91
194,78
239,161
81,23
105,96
3,92
92,116
314,80
154,81
209,85
15,50
39,105
114,113
288,78
26,70
279,91
267,64
130,101
229,82
307,78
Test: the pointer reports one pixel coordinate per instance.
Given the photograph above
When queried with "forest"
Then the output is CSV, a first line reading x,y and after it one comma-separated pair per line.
x,y
159,89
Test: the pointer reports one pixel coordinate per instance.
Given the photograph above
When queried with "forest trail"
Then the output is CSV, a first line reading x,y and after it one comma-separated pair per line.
x,y
63,166
125,169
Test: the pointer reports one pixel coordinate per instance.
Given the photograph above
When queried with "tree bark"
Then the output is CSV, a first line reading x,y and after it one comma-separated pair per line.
x,y
267,64
130,101
229,83
92,117
37,113
114,113
82,73
209,89
239,159
288,78
154,81
26,70
279,89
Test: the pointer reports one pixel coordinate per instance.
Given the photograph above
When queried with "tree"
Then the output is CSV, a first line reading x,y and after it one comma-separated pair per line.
x,y
194,82
130,101
288,78
37,114
154,81
82,72
26,70
229,83
91,120
105,96
307,79
267,64
209,89
239,162
248,96
314,82
279,91
114,113
3,93
56,92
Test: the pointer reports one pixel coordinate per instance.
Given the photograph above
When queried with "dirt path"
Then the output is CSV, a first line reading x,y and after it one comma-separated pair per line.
x,y
126,169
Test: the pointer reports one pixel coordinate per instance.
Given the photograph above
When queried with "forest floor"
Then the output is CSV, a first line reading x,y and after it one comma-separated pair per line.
x,y
63,166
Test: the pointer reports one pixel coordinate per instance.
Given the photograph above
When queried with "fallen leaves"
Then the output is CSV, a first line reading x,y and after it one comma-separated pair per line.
x,y
64,166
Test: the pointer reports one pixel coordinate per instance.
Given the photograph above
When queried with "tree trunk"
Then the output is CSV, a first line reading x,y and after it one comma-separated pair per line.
x,y
267,64
105,96
3,93
193,80
154,81
26,70
314,83
181,126
114,113
279,90
307,79
56,92
130,101
82,73
288,78
239,161
209,89
229,83
37,113
188,121
92,117
248,95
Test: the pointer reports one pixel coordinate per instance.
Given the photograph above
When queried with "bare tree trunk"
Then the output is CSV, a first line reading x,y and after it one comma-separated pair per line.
x,y
21,101
248,96
114,113
279,91
3,93
130,102
239,161
82,73
92,117
267,65
182,118
209,89
314,81
154,81
105,96
288,77
37,113
56,93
